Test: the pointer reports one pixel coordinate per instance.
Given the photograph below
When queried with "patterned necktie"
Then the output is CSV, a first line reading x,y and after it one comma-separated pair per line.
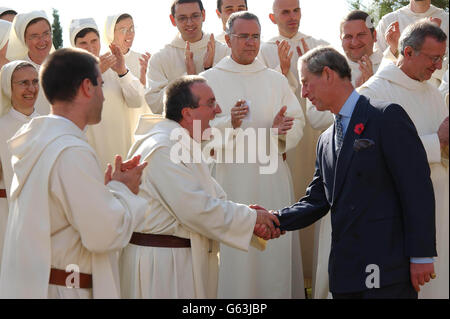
x,y
339,134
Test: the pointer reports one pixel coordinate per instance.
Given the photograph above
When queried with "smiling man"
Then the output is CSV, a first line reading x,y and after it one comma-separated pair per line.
x,y
257,98
422,49
225,8
174,252
191,52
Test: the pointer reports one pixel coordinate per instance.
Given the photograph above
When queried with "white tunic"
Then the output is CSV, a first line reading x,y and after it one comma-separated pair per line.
x,y
169,64
426,108
186,202
245,275
112,136
61,213
405,16
221,37
10,123
133,64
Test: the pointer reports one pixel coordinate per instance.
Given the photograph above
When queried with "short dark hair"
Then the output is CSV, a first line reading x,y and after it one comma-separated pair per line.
x,y
317,59
177,2
220,2
415,35
63,72
36,21
240,15
179,95
83,33
359,15
123,17
8,12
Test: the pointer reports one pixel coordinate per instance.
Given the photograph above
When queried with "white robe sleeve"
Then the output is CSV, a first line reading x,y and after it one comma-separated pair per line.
x,y
156,82
132,90
432,147
104,216
182,192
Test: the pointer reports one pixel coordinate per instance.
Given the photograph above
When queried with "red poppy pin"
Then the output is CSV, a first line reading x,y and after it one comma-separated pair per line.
x,y
359,128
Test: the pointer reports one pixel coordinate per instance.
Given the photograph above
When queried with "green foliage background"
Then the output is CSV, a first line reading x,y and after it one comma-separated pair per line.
x,y
57,31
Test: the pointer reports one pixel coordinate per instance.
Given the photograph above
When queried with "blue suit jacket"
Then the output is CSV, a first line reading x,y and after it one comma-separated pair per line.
x,y
381,198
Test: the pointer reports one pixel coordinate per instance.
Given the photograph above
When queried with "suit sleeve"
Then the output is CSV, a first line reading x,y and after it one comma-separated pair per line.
x,y
310,208
408,165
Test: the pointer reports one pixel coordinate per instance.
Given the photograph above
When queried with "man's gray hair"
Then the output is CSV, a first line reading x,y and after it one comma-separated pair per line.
x,y
415,34
317,59
240,15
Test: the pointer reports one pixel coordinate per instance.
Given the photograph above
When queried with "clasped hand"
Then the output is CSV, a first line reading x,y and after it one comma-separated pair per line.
x,y
265,224
128,173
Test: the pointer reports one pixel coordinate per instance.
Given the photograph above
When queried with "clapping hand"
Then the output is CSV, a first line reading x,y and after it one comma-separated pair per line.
x,y
305,48
366,68
128,173
119,67
143,62
107,60
208,59
281,123
189,60
284,56
238,113
392,36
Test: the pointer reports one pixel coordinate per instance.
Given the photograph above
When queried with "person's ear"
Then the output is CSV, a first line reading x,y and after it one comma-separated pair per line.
x,y
172,19
204,15
86,88
272,18
328,74
219,15
186,113
228,40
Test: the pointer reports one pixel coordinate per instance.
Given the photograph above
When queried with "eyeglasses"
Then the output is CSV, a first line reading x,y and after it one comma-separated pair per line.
x,y
194,18
125,31
246,36
45,36
434,59
26,83
212,105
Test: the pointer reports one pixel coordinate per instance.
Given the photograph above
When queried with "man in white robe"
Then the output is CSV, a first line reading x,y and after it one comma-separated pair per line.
x,y
423,47
190,52
19,90
225,8
65,226
123,91
30,40
392,25
120,30
174,252
258,98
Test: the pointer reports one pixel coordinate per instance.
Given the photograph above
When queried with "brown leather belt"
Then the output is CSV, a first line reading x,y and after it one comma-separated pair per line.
x,y
58,277
2,193
166,241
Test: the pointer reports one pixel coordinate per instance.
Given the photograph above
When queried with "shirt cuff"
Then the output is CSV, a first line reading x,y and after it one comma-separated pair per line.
x,y
416,260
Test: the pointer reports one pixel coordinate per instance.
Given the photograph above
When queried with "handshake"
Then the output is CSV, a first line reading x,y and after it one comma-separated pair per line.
x,y
267,224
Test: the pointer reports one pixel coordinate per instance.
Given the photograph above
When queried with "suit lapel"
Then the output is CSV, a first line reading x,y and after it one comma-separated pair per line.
x,y
345,156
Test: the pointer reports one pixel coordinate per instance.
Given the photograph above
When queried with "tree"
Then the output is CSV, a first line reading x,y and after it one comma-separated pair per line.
x,y
57,31
379,8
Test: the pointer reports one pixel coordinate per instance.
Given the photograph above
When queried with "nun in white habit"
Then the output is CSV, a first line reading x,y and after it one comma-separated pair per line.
x,y
122,91
120,30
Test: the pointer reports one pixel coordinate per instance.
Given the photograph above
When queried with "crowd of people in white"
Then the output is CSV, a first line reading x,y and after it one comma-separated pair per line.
x,y
162,237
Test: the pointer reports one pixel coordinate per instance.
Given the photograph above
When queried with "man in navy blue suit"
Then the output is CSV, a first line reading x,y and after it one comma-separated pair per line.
x,y
373,175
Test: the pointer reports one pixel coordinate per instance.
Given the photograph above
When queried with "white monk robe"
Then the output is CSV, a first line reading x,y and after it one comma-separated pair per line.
x,y
245,275
133,64
61,213
186,202
321,120
405,16
169,63
10,123
221,37
426,108
17,50
112,136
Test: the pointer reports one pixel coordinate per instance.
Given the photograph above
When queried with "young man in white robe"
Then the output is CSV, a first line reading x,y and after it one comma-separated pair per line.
x,y
190,52
225,8
120,30
30,40
258,98
65,225
393,24
19,91
422,49
174,252
122,89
